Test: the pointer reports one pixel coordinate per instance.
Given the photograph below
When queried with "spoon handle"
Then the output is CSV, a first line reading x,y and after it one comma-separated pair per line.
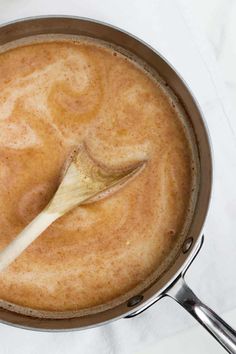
x,y
26,237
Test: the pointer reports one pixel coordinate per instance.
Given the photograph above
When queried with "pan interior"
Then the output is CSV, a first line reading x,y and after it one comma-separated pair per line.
x,y
144,127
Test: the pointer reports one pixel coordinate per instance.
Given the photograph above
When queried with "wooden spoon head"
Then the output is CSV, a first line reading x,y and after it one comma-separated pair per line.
x,y
87,180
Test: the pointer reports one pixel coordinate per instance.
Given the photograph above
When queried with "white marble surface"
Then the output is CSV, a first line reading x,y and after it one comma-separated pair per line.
x,y
217,19
190,341
173,28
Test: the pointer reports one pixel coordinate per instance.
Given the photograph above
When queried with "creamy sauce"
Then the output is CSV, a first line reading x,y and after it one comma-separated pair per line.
x,y
54,96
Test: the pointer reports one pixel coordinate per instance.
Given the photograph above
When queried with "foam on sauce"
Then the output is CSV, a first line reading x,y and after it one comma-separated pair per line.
x,y
53,96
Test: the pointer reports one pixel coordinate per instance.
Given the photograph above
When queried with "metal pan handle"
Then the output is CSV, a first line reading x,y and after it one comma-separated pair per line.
x,y
223,333
180,292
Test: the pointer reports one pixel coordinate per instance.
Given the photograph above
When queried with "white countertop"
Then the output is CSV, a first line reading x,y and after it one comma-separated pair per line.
x,y
194,340
173,28
217,19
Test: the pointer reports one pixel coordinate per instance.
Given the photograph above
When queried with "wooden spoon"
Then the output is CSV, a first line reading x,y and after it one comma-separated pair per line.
x,y
85,181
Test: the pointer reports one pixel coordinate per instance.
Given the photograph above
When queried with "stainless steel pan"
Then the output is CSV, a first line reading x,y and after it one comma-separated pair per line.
x,y
172,283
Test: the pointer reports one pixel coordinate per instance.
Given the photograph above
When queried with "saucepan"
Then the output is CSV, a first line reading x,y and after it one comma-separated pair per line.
x,y
172,282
